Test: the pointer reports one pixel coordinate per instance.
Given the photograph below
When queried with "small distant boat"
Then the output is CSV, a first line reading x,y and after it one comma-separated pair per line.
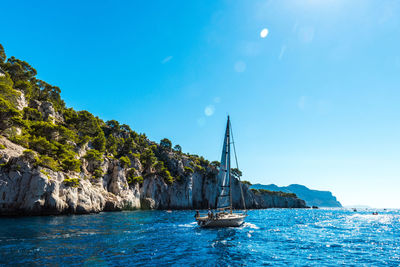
x,y
224,216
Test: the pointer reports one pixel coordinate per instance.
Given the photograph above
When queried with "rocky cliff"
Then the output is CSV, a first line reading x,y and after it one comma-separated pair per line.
x,y
55,160
310,196
29,189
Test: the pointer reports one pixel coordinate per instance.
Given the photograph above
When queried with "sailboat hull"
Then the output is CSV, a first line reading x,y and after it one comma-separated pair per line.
x,y
229,220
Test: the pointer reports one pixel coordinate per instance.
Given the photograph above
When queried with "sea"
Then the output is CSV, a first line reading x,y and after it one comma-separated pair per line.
x,y
279,237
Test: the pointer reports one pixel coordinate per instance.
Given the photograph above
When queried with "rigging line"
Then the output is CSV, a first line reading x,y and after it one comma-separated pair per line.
x,y
237,166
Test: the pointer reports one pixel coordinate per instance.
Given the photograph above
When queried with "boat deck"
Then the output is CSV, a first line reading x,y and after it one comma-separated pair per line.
x,y
222,220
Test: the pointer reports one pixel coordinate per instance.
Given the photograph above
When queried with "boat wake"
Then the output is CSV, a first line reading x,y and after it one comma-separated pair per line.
x,y
250,225
192,224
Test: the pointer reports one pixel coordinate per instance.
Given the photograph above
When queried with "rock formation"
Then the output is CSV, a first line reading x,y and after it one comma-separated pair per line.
x,y
28,189
55,160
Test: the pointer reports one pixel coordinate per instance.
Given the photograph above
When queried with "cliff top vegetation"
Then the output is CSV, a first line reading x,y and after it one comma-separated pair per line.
x,y
33,114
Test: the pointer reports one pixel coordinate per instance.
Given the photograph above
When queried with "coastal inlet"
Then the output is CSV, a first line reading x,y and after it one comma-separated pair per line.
x,y
150,238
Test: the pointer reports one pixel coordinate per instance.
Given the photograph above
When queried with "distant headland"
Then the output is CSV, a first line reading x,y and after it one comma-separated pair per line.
x,y
311,197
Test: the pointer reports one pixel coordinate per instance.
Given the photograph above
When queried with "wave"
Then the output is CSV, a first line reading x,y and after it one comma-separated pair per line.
x,y
192,224
250,225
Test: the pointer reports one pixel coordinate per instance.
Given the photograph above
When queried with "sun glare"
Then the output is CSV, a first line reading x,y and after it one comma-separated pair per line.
x,y
264,32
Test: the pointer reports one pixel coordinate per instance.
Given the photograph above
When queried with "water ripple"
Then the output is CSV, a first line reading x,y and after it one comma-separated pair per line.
x,y
268,237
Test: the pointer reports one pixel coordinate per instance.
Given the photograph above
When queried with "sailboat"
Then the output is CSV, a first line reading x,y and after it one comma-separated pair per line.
x,y
225,216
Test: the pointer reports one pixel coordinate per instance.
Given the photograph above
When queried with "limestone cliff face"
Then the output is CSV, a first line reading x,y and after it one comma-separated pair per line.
x,y
27,189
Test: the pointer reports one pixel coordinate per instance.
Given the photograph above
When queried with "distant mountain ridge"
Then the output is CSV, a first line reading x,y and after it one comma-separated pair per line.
x,y
311,197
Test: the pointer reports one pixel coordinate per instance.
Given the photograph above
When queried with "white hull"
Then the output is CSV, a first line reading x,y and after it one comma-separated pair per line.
x,y
228,220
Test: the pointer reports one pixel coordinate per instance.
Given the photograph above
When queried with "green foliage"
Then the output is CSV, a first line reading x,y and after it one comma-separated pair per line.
x,y
215,164
72,182
188,170
85,124
199,168
46,92
31,114
41,145
132,179
71,164
159,166
71,117
276,193
98,173
30,154
111,145
46,174
163,172
6,90
127,145
125,161
113,126
94,155
47,162
203,161
255,191
23,76
166,175
17,121
18,69
166,144
135,155
2,146
147,158
178,149
247,183
8,115
99,142
3,56
125,129
43,136
236,172
179,179
135,179
22,139
25,87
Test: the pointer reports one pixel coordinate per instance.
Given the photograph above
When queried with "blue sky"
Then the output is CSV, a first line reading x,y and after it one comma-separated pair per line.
x,y
315,102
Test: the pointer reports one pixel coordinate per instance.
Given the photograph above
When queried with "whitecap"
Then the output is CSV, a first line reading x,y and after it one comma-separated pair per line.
x,y
250,225
186,225
380,218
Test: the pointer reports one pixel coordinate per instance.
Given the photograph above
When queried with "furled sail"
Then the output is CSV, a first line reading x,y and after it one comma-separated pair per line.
x,y
224,198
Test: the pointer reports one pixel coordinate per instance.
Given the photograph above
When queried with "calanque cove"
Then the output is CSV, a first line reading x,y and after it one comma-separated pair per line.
x,y
55,160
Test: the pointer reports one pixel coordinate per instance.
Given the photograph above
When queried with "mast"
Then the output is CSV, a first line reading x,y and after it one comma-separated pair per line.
x,y
229,162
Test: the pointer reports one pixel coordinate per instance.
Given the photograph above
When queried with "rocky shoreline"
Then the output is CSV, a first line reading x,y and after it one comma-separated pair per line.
x,y
29,189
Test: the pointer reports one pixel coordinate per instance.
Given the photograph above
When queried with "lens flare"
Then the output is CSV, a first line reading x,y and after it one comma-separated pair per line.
x,y
264,32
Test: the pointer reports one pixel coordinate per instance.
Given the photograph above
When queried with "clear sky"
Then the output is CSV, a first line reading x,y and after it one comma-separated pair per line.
x,y
315,102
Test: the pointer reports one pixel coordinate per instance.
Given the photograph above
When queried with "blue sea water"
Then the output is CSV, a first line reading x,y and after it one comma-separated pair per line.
x,y
150,238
